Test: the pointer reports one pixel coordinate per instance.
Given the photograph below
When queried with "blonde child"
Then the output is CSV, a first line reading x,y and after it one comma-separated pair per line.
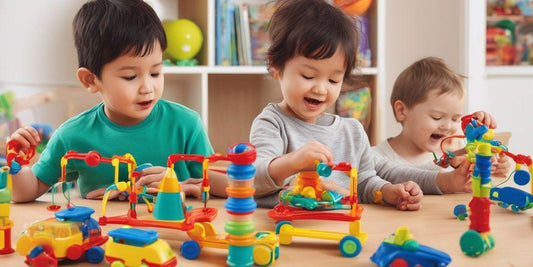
x,y
313,50
428,99
120,46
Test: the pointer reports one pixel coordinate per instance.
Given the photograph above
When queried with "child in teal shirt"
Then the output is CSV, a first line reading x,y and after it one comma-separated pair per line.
x,y
120,48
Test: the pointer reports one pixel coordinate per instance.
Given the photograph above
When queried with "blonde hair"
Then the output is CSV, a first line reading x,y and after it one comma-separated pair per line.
x,y
415,82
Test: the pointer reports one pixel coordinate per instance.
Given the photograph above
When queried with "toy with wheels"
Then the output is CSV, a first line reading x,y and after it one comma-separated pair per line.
x,y
508,193
245,246
184,39
350,244
138,247
265,247
70,235
401,249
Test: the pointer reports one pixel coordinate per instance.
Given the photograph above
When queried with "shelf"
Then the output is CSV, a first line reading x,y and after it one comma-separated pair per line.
x,y
494,71
239,70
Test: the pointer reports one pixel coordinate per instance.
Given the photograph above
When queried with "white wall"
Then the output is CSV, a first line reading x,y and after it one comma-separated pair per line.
x,y
506,96
37,48
416,29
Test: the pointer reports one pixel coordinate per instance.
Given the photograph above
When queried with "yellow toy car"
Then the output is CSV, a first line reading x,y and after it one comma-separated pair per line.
x,y
137,247
71,234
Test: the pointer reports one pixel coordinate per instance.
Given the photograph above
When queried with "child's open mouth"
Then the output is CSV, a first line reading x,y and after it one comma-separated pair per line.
x,y
312,101
437,136
145,104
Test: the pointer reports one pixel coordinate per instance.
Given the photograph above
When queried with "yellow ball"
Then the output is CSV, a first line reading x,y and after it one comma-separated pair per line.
x,y
184,39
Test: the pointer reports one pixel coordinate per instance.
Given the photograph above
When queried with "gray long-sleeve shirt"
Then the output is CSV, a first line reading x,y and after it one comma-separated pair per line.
x,y
384,153
275,133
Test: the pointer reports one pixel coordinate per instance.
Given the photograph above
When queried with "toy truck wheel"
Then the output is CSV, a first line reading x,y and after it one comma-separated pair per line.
x,y
350,246
74,252
472,243
263,255
503,205
95,255
515,208
283,230
399,262
276,252
190,249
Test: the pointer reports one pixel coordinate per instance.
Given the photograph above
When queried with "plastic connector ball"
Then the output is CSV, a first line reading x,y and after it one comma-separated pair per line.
x,y
461,212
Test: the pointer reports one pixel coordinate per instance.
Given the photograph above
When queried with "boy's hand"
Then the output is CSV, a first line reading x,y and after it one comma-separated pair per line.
x,y
405,196
501,165
27,136
458,180
485,118
305,156
192,187
151,178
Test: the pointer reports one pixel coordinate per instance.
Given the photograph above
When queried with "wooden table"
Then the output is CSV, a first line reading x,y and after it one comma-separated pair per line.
x,y
434,225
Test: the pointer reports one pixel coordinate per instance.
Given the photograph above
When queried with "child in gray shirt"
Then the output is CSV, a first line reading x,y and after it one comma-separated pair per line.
x,y
313,50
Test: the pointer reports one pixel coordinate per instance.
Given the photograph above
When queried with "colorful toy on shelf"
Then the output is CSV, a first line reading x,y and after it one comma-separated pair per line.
x,y
353,7
401,249
349,244
245,247
70,235
136,247
184,40
5,203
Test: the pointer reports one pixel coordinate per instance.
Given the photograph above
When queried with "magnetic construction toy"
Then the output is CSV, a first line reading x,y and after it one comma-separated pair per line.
x,y
401,249
244,247
70,235
308,188
480,146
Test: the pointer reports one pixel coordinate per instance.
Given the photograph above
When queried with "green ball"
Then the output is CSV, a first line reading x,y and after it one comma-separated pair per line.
x,y
184,39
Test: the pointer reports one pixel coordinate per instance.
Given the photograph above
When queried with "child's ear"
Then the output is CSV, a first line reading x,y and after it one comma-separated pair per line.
x,y
87,79
275,72
400,110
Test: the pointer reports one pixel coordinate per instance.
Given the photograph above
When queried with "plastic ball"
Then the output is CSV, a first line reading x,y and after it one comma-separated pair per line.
x,y
184,39
352,7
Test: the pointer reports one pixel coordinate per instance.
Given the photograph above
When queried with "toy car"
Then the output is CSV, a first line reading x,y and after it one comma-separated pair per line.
x,y
138,247
401,249
71,234
518,199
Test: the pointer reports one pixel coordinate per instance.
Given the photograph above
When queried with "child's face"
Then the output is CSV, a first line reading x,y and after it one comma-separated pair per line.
x,y
131,86
428,122
310,86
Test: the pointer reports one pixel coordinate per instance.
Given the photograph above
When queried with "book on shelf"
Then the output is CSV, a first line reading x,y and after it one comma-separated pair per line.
x,y
259,17
241,32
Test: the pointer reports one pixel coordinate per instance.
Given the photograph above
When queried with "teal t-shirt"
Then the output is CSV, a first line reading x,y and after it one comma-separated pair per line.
x,y
170,128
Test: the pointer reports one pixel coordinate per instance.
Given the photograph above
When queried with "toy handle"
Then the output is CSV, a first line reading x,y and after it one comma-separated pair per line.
x,y
13,149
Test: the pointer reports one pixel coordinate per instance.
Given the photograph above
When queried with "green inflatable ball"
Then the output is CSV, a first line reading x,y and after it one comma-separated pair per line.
x,y
184,39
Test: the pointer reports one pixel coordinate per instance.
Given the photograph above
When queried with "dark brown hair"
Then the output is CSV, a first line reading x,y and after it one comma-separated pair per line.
x,y
107,29
314,29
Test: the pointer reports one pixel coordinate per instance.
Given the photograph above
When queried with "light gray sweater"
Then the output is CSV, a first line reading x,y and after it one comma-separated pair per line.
x,y
275,133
